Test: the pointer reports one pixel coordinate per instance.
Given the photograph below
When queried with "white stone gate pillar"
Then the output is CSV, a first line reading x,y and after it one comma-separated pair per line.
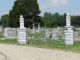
x,y
22,32
68,31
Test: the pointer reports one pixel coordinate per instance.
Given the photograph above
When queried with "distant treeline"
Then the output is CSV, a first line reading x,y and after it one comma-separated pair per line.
x,y
54,20
48,20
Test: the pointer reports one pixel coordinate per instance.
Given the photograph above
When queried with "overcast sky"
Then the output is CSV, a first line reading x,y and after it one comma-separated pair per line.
x,y
61,6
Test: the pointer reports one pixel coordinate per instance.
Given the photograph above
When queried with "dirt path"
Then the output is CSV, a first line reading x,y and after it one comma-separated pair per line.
x,y
1,57
15,52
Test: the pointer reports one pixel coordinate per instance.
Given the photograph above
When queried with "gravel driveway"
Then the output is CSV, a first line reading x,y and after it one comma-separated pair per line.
x,y
16,52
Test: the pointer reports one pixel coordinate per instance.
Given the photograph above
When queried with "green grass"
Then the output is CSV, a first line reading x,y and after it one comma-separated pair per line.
x,y
55,44
37,35
50,44
37,41
9,41
1,35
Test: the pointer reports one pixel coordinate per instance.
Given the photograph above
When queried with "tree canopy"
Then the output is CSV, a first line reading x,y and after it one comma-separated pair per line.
x,y
4,20
28,8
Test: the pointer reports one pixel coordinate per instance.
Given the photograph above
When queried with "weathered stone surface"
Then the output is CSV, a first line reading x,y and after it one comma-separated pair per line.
x,y
10,32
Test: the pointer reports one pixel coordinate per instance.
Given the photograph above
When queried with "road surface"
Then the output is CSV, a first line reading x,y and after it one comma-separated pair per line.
x,y
16,52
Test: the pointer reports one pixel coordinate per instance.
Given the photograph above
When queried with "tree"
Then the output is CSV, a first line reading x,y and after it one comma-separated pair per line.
x,y
53,20
5,20
47,19
27,8
75,20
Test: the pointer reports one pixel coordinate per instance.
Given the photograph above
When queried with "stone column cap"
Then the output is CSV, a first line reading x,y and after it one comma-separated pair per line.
x,y
21,16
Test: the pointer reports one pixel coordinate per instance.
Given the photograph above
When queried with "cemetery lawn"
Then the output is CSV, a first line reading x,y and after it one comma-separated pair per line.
x,y
56,45
49,44
8,41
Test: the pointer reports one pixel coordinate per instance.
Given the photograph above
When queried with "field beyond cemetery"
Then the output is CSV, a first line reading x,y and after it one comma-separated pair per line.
x,y
16,52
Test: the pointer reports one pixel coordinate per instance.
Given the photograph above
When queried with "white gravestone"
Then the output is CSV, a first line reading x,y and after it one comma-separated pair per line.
x,y
76,36
33,30
55,34
68,31
10,32
1,29
47,33
22,32
39,29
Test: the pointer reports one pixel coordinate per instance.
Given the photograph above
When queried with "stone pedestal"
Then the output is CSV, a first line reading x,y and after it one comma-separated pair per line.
x,y
22,34
69,35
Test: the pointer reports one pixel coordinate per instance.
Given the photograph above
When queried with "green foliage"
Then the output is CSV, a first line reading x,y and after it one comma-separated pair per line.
x,y
53,20
75,20
5,20
23,7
